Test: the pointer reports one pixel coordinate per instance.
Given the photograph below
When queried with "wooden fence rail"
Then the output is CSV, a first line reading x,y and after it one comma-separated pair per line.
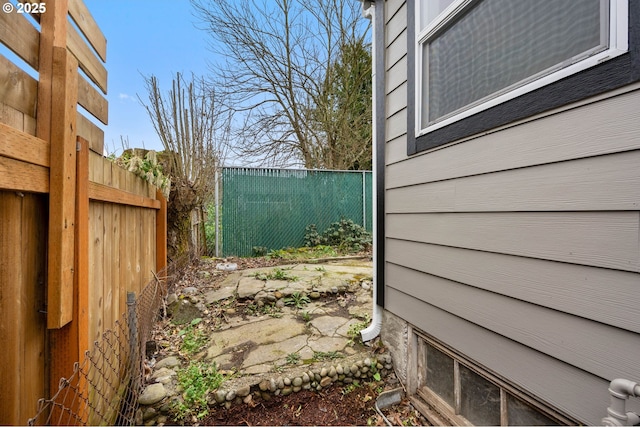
x,y
76,231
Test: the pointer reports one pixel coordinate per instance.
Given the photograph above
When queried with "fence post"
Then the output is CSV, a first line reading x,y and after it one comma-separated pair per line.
x,y
217,201
364,200
134,345
56,123
161,233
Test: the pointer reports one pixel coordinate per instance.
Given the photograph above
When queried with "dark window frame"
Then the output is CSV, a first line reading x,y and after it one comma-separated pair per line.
x,y
607,76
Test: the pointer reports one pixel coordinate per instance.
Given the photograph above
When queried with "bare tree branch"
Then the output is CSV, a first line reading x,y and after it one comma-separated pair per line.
x,y
278,55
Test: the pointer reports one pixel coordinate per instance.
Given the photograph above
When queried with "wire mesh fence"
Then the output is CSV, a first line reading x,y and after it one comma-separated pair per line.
x,y
103,388
266,209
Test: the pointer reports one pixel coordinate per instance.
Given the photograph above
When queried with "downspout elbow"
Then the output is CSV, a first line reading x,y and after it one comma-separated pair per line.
x,y
373,330
620,390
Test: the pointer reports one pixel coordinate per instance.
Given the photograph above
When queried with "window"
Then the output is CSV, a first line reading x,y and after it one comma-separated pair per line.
x,y
465,394
480,64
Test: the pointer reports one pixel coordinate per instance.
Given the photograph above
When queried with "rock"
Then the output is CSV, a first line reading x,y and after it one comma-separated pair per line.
x,y
162,372
287,391
154,393
272,385
366,286
220,396
332,372
264,385
325,382
367,362
334,290
230,311
168,362
314,295
280,303
190,290
278,294
287,381
162,419
305,378
227,266
297,382
183,312
230,396
340,369
148,413
247,399
324,372
297,389
243,391
171,298
204,274
354,369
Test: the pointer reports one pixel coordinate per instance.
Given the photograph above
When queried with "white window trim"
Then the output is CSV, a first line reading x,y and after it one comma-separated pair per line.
x,y
618,45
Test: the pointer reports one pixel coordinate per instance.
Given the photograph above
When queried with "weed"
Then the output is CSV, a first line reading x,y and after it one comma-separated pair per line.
x,y
321,269
276,274
297,300
257,251
292,358
304,253
192,338
272,310
354,330
197,381
324,356
351,387
306,316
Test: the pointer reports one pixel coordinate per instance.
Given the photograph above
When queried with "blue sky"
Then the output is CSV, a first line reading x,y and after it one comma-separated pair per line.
x,y
145,37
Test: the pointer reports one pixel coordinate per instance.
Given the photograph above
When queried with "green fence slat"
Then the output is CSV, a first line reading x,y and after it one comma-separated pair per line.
x,y
270,208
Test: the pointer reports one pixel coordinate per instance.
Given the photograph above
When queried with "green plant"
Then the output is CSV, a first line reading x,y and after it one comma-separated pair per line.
x,y
350,387
258,251
276,274
345,234
197,380
304,253
297,300
210,228
146,166
272,310
306,317
324,356
354,330
193,338
292,358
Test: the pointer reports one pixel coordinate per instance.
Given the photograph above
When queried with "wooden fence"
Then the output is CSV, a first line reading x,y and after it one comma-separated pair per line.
x,y
76,231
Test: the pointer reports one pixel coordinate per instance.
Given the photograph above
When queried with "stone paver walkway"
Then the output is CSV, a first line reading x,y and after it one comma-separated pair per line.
x,y
340,296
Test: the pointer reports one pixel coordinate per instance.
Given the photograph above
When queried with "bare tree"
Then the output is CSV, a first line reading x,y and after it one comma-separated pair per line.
x,y
278,57
194,133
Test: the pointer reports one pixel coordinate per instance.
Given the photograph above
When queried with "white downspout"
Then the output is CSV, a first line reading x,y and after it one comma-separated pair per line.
x,y
372,331
620,391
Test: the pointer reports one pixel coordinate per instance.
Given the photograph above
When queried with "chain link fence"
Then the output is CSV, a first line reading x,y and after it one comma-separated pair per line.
x,y
267,209
103,389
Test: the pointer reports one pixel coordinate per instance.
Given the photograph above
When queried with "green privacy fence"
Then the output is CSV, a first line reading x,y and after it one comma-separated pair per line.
x,y
270,208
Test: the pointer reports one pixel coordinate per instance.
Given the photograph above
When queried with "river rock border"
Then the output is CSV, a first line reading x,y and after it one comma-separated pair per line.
x,y
158,397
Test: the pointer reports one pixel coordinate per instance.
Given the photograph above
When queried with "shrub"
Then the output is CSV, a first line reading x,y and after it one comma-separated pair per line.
x,y
345,234
197,380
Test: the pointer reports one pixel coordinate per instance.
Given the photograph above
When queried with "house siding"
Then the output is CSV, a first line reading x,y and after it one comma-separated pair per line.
x,y
520,247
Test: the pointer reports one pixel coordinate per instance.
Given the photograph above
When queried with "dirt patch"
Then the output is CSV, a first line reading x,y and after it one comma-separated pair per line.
x,y
334,406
